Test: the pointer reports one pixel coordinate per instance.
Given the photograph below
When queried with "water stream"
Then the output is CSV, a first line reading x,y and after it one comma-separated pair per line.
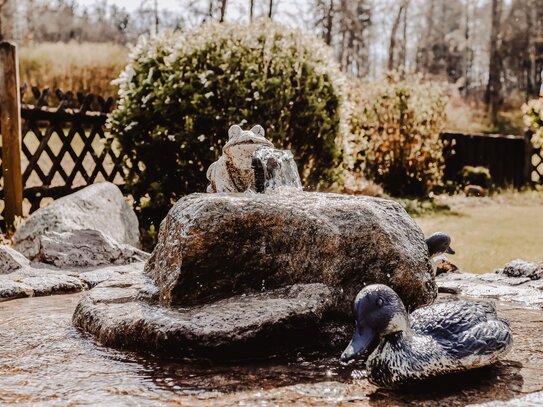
x,y
44,360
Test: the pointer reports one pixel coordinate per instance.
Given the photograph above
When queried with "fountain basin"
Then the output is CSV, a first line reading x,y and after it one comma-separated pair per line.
x,y
254,275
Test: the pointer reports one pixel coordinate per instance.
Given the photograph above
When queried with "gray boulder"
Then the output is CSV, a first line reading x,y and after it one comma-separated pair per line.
x,y
85,248
98,207
522,268
11,260
215,246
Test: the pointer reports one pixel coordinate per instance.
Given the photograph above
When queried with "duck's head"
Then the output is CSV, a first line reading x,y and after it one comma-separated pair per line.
x,y
439,243
378,312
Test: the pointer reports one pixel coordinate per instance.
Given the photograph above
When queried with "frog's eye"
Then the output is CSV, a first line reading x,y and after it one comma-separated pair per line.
x,y
234,131
258,130
380,302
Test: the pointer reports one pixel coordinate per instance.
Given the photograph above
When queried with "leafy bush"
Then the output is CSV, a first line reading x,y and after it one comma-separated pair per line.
x,y
533,118
476,176
394,133
181,92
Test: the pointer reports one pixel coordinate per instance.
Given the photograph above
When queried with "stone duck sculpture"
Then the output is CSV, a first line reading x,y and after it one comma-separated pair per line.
x,y
402,349
439,243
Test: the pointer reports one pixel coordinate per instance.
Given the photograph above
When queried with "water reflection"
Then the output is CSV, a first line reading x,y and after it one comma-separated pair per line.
x,y
44,360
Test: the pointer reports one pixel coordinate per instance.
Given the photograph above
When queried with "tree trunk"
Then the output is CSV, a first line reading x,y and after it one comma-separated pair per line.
x,y
251,9
329,23
210,11
493,88
223,10
156,17
270,9
467,52
393,33
403,50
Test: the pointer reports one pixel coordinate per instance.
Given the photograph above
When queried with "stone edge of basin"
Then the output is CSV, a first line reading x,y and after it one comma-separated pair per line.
x,y
123,314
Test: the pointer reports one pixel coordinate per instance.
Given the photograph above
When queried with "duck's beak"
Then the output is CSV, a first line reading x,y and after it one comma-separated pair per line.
x,y
450,250
360,343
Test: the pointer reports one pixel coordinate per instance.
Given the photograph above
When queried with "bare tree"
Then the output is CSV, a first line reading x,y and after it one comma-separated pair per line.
x,y
394,32
251,9
223,10
270,8
493,88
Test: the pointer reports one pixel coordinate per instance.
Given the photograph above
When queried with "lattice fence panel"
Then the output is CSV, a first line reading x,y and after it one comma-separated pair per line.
x,y
66,147
537,166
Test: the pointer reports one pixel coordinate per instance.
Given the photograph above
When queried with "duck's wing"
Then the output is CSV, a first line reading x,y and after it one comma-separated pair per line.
x,y
464,328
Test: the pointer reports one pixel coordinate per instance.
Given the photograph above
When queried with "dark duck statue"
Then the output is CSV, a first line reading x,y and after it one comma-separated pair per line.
x,y
439,243
403,349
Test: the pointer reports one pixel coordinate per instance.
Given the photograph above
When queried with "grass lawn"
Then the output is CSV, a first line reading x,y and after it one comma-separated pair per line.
x,y
486,233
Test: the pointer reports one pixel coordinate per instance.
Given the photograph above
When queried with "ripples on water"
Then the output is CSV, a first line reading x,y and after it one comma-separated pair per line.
x,y
44,359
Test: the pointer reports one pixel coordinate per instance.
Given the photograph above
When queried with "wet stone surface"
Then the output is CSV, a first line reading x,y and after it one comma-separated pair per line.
x,y
47,361
34,280
521,290
214,246
123,313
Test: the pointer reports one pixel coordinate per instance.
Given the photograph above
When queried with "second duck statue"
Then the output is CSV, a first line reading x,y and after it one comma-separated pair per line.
x,y
443,338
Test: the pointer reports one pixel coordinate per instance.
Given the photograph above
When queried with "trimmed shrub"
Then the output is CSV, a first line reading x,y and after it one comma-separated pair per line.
x,y
533,118
479,176
181,92
394,133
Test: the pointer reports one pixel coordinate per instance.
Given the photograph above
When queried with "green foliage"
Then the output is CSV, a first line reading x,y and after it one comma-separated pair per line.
x,y
181,92
533,118
395,125
476,176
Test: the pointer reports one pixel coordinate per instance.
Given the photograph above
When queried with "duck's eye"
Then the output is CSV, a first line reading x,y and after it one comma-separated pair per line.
x,y
380,302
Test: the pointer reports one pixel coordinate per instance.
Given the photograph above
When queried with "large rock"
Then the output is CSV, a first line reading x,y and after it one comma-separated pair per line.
x,y
85,248
98,207
214,246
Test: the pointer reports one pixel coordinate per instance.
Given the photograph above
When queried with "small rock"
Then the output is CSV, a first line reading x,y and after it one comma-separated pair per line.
x,y
84,248
11,260
474,190
10,290
48,284
98,207
444,265
521,290
522,268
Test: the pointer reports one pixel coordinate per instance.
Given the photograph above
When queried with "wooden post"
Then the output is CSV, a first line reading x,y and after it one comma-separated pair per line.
x,y
10,128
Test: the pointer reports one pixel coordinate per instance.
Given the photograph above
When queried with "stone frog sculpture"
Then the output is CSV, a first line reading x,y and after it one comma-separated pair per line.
x,y
233,171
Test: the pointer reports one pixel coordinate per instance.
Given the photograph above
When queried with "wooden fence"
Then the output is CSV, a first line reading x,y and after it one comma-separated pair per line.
x,y
512,160
64,148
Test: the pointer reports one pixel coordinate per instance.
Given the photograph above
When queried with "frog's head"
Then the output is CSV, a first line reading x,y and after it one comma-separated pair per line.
x,y
243,142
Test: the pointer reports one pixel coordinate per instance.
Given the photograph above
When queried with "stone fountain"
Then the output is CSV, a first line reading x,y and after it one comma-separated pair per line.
x,y
242,274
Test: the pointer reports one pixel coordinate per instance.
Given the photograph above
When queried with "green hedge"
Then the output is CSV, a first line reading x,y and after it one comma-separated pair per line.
x,y
181,92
